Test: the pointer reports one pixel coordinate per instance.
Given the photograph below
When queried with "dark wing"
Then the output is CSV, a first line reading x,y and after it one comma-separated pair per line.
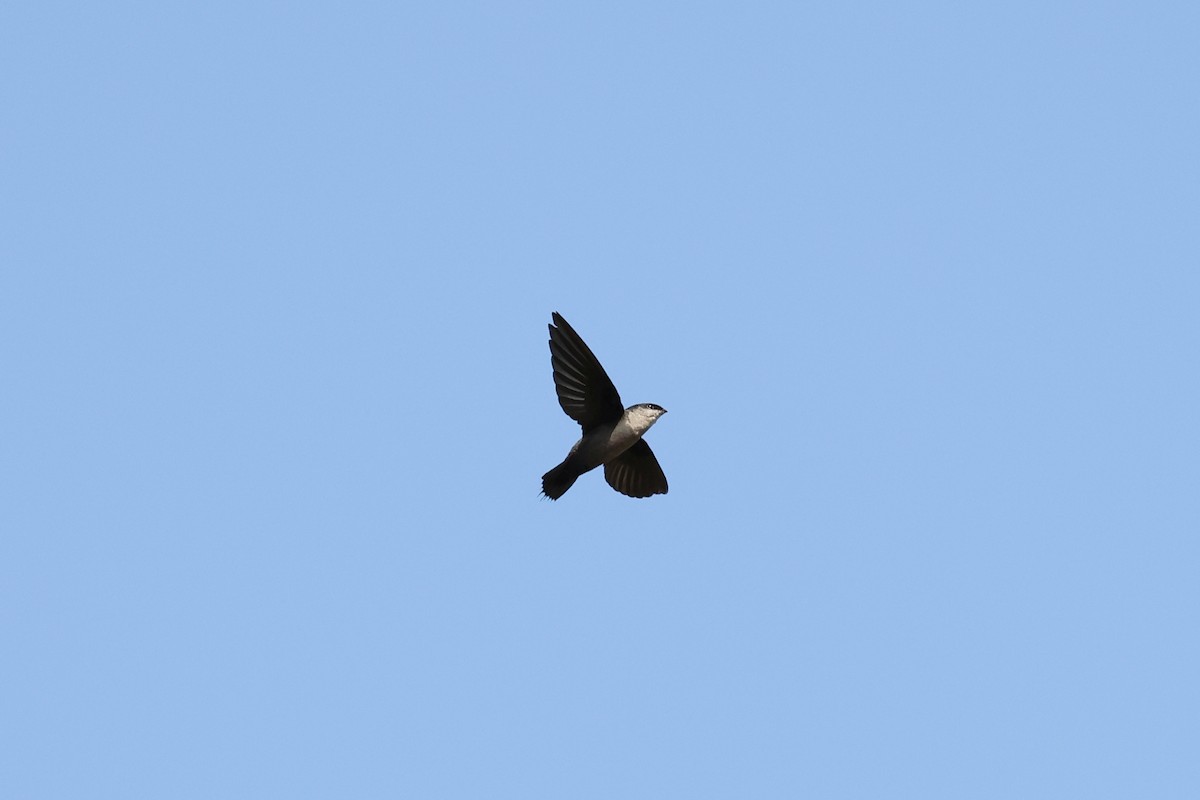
x,y
636,473
584,389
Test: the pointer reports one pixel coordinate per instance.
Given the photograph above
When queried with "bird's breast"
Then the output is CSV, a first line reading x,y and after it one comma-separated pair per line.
x,y
605,443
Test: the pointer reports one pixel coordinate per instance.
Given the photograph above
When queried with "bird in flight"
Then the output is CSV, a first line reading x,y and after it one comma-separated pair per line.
x,y
612,434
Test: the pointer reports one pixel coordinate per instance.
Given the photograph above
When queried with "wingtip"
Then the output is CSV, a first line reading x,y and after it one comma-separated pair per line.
x,y
560,325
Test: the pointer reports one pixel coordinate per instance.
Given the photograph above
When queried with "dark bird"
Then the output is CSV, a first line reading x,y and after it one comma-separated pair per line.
x,y
612,434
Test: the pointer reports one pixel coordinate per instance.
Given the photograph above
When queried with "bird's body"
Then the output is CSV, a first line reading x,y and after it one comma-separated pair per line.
x,y
612,435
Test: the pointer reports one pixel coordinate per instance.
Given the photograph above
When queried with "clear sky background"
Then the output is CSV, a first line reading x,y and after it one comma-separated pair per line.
x,y
917,282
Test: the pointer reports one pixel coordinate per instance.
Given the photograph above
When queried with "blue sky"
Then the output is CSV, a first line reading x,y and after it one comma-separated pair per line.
x,y
917,282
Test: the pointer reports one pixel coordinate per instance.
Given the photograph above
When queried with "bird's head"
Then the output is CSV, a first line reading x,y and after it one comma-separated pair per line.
x,y
645,413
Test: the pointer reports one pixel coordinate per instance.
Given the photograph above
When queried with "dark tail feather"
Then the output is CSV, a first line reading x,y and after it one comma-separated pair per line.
x,y
556,482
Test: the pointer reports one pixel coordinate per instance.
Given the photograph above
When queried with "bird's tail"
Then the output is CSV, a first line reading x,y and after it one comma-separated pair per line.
x,y
556,482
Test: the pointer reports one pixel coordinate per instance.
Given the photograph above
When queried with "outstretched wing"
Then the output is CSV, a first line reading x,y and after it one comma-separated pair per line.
x,y
636,473
584,389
